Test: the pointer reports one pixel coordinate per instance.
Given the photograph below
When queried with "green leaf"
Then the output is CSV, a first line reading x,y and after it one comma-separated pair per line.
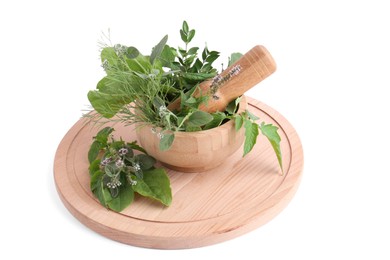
x,y
146,161
132,53
124,198
234,57
271,132
212,58
111,170
155,185
191,35
198,76
231,107
192,51
94,166
183,36
199,118
95,177
193,128
102,193
238,120
102,135
185,27
94,151
205,53
251,133
157,50
218,117
140,65
166,141
167,56
117,144
107,104
108,54
135,146
191,100
251,115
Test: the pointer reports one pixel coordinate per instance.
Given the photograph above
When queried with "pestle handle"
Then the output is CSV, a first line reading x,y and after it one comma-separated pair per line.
x,y
249,70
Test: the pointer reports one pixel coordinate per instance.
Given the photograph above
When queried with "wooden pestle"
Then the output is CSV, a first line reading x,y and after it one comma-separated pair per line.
x,y
249,70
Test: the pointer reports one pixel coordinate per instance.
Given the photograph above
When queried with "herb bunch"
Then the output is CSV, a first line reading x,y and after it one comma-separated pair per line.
x,y
119,169
138,88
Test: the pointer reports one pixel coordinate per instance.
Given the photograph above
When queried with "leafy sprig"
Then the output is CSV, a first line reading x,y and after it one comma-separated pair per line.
x,y
119,169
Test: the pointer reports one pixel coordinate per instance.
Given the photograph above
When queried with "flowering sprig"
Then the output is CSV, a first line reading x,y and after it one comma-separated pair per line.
x,y
118,169
218,80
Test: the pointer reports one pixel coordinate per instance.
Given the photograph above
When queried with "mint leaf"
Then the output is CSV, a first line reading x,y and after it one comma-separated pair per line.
x,y
199,118
271,132
155,185
238,121
251,133
193,128
166,141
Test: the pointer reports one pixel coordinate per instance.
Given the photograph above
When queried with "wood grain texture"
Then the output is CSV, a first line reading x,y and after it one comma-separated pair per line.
x,y
207,208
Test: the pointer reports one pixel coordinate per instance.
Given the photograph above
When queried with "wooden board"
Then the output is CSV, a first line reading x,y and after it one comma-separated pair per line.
x,y
207,208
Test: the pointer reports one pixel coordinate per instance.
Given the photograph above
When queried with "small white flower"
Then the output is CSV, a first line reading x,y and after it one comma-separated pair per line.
x,y
162,111
160,135
114,183
133,182
136,167
119,163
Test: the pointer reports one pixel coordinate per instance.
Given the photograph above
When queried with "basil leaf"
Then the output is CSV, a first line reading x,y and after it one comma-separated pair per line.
x,y
155,185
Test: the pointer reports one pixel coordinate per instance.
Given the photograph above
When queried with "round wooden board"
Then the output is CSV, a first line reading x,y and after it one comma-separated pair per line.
x,y
207,208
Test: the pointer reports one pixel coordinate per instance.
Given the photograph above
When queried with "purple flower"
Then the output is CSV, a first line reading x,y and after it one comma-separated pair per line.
x,y
123,151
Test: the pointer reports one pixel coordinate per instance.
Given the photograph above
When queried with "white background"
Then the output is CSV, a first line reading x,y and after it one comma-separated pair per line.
x,y
332,85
